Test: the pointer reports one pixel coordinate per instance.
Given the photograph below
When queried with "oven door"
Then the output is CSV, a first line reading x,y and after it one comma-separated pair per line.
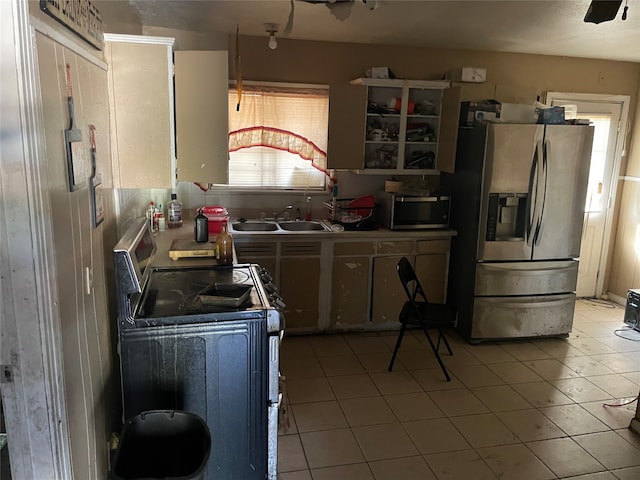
x,y
273,411
217,370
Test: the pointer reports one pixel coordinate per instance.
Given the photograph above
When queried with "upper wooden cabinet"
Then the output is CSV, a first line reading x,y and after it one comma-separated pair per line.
x,y
202,119
393,126
140,74
158,139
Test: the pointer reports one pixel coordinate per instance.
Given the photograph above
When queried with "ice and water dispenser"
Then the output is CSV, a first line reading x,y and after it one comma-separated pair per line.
x,y
506,216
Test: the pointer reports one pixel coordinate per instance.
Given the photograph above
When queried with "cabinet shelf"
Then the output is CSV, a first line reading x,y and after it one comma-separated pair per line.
x,y
390,115
356,145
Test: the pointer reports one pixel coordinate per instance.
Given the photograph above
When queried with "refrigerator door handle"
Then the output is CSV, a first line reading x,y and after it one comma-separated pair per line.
x,y
531,207
544,174
533,217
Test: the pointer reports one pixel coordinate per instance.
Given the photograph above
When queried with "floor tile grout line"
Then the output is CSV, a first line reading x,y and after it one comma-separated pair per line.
x,y
538,408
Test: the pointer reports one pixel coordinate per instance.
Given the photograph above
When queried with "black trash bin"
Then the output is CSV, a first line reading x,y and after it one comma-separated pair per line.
x,y
162,444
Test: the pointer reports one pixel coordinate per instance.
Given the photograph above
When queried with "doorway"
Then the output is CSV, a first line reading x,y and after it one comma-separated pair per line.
x,y
608,114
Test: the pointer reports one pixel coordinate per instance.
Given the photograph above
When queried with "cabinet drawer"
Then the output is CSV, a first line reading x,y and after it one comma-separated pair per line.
x,y
396,247
298,249
354,248
255,249
433,246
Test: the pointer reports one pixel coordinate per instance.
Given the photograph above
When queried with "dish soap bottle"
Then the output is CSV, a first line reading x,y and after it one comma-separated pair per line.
x,y
175,212
201,227
224,246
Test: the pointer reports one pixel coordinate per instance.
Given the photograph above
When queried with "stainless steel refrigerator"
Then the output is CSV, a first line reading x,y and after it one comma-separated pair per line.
x,y
517,203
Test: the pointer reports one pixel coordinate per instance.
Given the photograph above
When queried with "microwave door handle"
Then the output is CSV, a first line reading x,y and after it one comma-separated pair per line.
x,y
418,199
530,196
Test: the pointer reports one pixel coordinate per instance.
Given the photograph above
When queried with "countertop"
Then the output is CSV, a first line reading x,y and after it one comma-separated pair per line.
x,y
379,234
164,239
163,244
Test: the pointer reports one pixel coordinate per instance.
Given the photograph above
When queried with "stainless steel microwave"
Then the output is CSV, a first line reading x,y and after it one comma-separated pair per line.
x,y
409,212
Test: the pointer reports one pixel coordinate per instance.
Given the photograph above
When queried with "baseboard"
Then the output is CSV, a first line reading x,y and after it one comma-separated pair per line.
x,y
622,301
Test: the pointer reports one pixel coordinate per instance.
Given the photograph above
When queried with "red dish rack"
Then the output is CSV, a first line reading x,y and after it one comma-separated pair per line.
x,y
353,213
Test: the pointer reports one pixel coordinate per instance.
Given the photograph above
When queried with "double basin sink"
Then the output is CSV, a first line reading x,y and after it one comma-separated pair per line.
x,y
279,226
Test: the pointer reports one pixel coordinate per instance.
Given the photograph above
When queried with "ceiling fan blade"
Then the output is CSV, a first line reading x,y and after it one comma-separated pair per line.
x,y
602,11
341,9
328,1
289,26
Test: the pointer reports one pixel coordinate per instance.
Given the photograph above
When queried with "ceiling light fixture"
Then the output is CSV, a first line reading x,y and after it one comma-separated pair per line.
x,y
271,29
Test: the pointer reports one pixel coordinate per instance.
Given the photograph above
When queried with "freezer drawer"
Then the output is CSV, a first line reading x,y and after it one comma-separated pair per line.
x,y
513,317
526,278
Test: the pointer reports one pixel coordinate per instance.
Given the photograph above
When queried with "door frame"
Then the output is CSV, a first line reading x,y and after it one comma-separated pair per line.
x,y
620,151
30,346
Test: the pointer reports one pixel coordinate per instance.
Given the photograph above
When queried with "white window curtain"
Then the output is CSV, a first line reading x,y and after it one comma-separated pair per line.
x,y
278,138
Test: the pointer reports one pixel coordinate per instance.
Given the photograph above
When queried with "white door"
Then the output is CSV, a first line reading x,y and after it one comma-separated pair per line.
x,y
606,116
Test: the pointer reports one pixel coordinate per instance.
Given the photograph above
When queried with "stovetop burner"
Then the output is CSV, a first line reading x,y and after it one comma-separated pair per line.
x,y
173,292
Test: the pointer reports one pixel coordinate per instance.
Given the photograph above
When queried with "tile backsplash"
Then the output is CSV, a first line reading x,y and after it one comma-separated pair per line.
x,y
132,203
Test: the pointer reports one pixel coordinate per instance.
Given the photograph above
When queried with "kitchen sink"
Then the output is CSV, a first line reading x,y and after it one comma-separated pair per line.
x,y
301,226
272,226
254,226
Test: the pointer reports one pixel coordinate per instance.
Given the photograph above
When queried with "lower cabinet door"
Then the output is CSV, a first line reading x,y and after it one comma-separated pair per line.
x,y
388,295
432,272
299,285
350,291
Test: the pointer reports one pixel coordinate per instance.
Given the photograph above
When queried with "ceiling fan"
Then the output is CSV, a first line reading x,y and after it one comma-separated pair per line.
x,y
341,9
604,11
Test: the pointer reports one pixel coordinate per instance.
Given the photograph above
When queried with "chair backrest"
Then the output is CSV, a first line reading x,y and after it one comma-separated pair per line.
x,y
410,281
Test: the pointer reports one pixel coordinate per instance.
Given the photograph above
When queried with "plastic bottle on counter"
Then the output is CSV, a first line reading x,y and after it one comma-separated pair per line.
x,y
224,247
201,227
150,213
175,212
157,215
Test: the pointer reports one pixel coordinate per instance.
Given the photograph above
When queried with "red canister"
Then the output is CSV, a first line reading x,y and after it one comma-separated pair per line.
x,y
217,215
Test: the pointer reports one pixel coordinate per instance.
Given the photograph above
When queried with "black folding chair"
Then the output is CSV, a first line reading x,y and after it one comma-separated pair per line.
x,y
418,311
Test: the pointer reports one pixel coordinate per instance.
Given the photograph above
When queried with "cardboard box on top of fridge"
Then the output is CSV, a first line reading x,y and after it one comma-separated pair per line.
x,y
467,74
473,92
379,72
518,113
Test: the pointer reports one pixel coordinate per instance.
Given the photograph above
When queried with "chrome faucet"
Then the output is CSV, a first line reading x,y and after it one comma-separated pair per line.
x,y
277,215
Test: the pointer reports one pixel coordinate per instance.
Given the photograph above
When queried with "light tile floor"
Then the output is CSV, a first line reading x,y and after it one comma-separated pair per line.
x,y
513,410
